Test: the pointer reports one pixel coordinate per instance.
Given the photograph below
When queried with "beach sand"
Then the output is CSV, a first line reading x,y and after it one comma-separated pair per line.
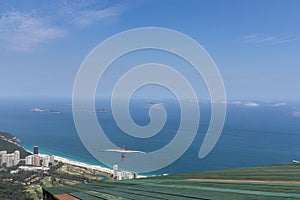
x,y
80,164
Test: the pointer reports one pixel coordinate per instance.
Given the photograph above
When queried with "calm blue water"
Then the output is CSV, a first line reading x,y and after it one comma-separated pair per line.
x,y
265,134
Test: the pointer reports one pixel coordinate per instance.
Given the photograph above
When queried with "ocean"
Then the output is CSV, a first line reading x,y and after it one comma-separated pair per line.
x,y
255,133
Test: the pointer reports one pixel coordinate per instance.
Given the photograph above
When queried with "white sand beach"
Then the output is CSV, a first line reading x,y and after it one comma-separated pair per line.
x,y
84,165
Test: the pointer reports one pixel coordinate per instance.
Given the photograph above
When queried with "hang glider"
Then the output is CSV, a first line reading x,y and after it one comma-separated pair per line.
x,y
123,151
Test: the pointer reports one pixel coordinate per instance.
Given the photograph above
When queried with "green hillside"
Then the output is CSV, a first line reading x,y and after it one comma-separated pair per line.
x,y
9,143
266,182
6,135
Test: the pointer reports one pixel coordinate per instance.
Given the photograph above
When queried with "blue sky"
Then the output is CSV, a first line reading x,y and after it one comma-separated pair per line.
x,y
255,44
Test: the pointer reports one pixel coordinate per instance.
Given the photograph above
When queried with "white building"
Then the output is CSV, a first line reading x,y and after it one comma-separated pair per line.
x,y
115,174
122,175
33,168
3,157
9,159
29,160
52,159
125,175
36,160
47,160
16,157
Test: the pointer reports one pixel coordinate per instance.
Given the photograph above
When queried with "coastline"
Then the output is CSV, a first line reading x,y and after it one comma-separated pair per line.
x,y
81,164
88,166
76,163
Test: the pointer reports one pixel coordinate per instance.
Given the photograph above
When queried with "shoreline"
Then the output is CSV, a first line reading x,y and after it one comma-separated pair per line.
x,y
89,166
76,163
81,164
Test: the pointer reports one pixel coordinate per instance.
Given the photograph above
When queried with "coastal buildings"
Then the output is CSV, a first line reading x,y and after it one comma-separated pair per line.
x,y
48,160
122,175
29,160
39,160
16,157
33,169
35,150
115,173
3,157
11,159
36,160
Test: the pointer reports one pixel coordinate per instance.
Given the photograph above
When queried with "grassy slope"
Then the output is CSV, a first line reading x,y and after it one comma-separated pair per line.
x,y
182,186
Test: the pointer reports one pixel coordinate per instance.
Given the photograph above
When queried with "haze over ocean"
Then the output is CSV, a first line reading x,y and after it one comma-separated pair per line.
x,y
254,44
255,133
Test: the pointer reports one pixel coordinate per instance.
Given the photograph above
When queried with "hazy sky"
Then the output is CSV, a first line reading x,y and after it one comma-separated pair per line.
x,y
255,44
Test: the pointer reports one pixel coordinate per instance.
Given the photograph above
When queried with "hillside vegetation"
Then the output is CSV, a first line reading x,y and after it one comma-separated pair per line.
x,y
9,143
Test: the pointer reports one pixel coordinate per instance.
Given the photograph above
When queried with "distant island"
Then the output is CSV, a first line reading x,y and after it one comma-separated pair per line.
x,y
45,110
84,110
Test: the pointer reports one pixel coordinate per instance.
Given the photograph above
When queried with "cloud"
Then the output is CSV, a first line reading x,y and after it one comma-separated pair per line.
x,y
24,32
250,104
85,13
296,114
260,39
242,103
279,104
88,17
234,103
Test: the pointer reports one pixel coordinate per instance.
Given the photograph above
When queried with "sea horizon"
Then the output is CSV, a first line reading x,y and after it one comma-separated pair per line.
x,y
267,133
